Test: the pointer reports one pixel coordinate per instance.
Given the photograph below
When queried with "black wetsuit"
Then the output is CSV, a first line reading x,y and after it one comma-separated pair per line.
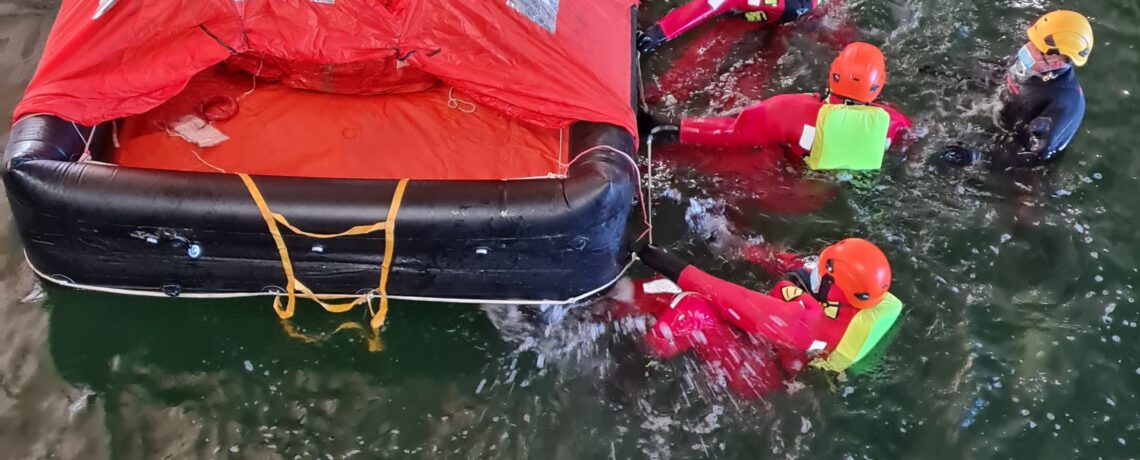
x,y
1042,116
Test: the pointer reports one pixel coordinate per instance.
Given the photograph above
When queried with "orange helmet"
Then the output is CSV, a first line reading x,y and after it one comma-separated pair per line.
x,y
859,269
858,73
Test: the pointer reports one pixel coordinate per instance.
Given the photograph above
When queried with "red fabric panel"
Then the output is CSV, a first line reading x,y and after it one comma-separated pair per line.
x,y
287,132
136,56
139,54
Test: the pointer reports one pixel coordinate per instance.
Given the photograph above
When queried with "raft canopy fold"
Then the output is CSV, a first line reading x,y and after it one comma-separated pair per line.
x,y
546,62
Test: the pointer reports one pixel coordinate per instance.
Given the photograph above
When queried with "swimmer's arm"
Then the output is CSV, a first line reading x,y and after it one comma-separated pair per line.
x,y
899,127
713,132
1050,133
750,128
750,311
687,16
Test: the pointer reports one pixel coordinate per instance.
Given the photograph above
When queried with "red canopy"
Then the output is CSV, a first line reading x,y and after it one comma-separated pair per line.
x,y
548,62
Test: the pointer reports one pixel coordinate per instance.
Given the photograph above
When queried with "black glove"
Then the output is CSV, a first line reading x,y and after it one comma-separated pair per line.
x,y
662,261
960,155
662,132
649,39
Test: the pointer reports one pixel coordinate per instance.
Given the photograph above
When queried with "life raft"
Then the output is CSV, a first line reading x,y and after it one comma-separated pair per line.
x,y
431,169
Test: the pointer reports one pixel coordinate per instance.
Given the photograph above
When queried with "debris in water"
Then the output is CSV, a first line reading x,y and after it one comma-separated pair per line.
x,y
36,294
972,412
1110,402
248,366
1079,228
80,403
805,425
479,389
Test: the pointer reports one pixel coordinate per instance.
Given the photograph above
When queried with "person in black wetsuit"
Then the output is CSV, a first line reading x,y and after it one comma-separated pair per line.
x,y
1042,102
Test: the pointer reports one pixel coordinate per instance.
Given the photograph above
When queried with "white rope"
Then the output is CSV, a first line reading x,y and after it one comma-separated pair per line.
x,y
86,156
260,63
649,180
207,163
641,86
459,104
234,295
562,165
649,158
646,218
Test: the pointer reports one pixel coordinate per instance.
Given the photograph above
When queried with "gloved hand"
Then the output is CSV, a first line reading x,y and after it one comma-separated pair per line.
x,y
649,39
1039,130
662,261
1040,127
959,155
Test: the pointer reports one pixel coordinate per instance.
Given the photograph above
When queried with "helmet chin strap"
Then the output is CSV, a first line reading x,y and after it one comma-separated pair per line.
x,y
825,96
820,285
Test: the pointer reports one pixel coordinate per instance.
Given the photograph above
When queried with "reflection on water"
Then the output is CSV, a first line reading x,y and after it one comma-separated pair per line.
x,y
1019,340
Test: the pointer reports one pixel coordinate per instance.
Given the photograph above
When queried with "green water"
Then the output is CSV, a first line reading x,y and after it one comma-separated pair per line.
x,y
1020,340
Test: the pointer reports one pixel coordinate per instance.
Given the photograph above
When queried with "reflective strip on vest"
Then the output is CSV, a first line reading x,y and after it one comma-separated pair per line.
x,y
867,328
849,137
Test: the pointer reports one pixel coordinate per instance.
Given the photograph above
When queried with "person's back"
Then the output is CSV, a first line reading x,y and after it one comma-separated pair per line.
x,y
778,120
845,129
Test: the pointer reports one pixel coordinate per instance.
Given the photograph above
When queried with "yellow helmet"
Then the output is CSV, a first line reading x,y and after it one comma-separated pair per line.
x,y
1063,32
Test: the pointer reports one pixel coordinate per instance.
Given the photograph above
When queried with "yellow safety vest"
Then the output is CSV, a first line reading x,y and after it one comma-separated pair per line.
x,y
867,328
851,137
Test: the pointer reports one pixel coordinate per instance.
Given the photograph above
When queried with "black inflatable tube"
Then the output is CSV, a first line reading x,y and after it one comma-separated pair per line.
x,y
134,229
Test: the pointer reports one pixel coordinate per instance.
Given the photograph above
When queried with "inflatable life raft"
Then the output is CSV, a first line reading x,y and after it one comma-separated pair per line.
x,y
414,149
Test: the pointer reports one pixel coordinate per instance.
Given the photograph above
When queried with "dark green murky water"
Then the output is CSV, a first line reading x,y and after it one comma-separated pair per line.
x,y
1020,341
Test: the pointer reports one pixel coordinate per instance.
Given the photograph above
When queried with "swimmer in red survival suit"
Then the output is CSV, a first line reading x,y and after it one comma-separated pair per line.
x,y
829,318
842,129
692,14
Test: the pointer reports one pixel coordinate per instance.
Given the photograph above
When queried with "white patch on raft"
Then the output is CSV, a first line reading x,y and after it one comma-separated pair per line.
x,y
197,131
661,286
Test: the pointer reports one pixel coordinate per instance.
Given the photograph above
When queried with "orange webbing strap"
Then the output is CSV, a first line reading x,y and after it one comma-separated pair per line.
x,y
293,285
